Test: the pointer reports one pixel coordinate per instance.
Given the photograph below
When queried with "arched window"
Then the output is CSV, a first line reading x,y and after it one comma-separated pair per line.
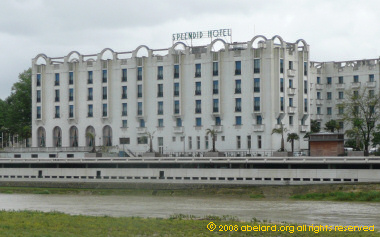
x,y
107,136
90,136
41,137
73,136
57,137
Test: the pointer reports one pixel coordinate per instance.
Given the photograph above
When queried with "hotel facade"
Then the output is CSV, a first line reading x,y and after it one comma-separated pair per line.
x,y
242,90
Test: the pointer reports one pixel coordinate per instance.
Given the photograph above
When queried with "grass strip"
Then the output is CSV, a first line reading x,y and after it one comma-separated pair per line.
x,y
368,196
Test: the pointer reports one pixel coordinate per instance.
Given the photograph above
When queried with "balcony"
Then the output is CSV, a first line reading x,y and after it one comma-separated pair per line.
x,y
319,117
371,84
218,128
319,101
291,73
291,91
304,128
277,126
141,130
319,86
291,110
355,85
258,127
340,86
178,129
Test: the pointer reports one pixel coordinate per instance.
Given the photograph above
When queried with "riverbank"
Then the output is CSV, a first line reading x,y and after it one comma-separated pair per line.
x,y
335,192
30,223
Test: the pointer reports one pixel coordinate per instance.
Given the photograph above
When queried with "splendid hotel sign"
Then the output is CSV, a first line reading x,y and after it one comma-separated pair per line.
x,y
222,33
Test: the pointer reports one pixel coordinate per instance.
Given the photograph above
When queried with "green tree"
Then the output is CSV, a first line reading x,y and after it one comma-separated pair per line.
x,y
361,112
314,126
332,125
291,138
212,133
281,131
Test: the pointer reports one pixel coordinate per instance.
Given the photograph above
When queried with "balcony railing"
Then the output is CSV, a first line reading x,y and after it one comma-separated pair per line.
x,y
371,84
319,86
291,91
178,129
291,73
319,101
141,130
291,110
355,85
258,127
304,128
218,128
340,86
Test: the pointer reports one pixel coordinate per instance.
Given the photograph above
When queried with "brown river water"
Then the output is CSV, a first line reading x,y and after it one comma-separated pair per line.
x,y
302,212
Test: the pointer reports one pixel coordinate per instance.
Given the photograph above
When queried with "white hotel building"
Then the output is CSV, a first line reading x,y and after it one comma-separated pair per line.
x,y
242,90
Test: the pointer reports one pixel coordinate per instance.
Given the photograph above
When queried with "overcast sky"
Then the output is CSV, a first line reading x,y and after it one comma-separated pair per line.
x,y
336,30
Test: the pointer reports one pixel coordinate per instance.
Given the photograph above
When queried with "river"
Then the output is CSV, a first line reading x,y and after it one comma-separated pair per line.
x,y
302,212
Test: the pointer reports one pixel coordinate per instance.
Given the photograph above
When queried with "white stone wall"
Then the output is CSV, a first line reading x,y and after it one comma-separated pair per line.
x,y
269,51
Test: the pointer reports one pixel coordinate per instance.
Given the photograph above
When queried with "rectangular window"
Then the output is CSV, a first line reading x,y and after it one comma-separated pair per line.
x,y
160,90
56,82
237,120
341,95
340,110
139,108
371,78
179,122
318,80
238,142
124,123
139,73
259,120
237,67
259,142
176,71
328,80
281,84
124,92
57,114
237,104
90,111
56,99
206,142
104,76
38,112
71,78
190,143
142,123
318,95
281,65
256,85
124,75
256,66
160,108
340,80
318,110
237,86
356,94
198,108
329,110
305,105
218,121
371,93
104,94
71,94
341,124
198,70
215,69
329,95
305,68
142,140
282,103
290,120
176,107
160,72
198,88
215,106
104,110
305,87
139,91
356,78
89,94
160,123
256,104
71,111
38,79
215,87
176,89
290,83
198,122
291,102
89,78
38,96
124,111
291,65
